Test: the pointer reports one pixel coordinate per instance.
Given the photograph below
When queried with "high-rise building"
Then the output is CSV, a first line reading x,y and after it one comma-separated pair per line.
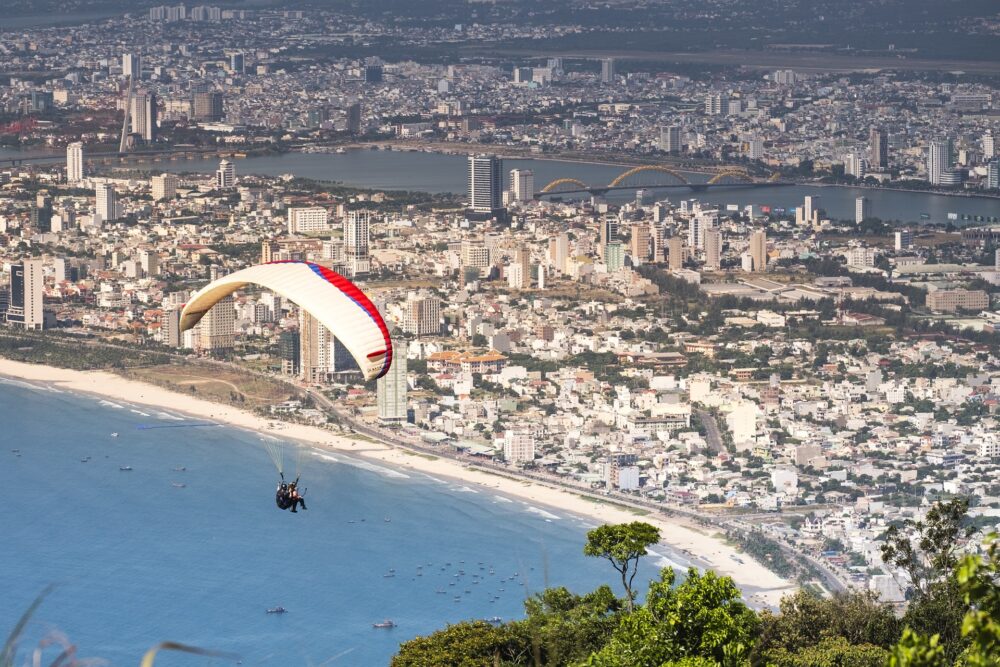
x,y
989,146
225,175
938,160
518,446
475,255
519,270
132,65
670,139
862,209
314,350
854,165
374,73
614,256
163,186
758,250
675,253
207,106
809,212
237,63
641,244
356,242
716,104
74,163
878,149
288,350
485,185
307,220
713,249
390,392
107,203
993,175
697,226
904,240
608,230
422,315
522,184
26,309
354,118
170,327
755,148
218,326
143,115
559,251
608,70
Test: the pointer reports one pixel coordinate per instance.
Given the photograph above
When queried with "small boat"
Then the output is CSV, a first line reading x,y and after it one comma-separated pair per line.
x,y
178,485
387,624
495,619
440,592
180,469
388,575
115,434
277,610
124,468
387,519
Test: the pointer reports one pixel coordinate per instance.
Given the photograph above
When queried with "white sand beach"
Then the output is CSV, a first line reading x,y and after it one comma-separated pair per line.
x,y
761,586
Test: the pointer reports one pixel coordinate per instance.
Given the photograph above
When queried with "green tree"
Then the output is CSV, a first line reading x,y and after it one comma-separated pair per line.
x,y
831,652
623,545
704,617
466,644
565,628
806,621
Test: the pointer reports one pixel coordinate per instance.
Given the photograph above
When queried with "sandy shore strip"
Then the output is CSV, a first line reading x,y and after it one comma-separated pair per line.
x,y
762,587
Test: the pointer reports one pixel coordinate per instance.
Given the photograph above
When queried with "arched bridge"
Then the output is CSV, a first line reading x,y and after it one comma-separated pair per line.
x,y
672,178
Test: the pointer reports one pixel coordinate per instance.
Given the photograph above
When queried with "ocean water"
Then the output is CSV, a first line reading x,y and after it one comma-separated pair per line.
x,y
197,555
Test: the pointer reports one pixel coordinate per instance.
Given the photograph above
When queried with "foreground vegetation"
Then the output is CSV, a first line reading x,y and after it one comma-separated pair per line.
x,y
952,620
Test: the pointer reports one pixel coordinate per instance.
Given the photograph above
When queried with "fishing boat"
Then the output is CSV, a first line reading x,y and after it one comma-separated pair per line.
x,y
125,468
277,610
387,624
115,434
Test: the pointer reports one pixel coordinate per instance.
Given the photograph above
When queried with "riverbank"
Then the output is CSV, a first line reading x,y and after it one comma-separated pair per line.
x,y
762,587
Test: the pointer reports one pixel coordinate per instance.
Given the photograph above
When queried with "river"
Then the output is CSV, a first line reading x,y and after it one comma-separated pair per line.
x,y
437,173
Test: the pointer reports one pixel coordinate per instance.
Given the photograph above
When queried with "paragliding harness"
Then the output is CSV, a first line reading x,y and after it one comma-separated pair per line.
x,y
288,495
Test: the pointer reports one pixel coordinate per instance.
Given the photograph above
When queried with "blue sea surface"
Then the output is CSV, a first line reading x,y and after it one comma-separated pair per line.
x,y
188,546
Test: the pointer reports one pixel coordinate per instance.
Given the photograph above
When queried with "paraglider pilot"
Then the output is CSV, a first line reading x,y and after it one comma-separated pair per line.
x,y
288,495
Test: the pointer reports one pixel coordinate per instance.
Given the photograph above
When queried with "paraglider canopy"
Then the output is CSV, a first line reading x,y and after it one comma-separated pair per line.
x,y
331,298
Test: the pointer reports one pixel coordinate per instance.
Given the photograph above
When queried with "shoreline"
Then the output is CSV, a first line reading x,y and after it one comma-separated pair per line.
x,y
761,587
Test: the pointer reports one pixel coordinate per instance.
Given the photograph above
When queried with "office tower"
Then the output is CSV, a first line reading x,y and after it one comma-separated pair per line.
x,y
475,255
26,286
989,146
713,249
716,104
523,74
131,65
390,393
670,139
993,175
522,184
938,160
641,244
755,148
675,253
904,240
163,186
608,70
74,163
734,107
237,63
784,77
207,106
107,203
170,327
422,315
559,251
225,175
878,147
288,351
854,165
356,242
758,250
218,326
862,209
308,220
143,115
354,118
373,73
485,188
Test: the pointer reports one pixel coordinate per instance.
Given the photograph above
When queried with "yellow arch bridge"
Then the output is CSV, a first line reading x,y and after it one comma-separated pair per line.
x,y
672,179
